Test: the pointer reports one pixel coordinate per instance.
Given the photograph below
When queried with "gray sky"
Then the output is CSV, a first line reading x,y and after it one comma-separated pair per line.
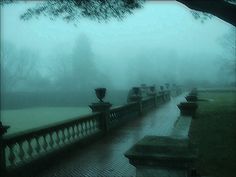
x,y
160,29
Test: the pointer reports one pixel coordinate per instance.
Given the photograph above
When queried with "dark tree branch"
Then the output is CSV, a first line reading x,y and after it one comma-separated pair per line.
x,y
71,10
219,8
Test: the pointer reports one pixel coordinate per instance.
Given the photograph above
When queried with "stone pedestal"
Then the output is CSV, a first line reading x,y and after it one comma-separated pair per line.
x,y
188,108
191,98
104,108
160,156
162,93
100,107
154,95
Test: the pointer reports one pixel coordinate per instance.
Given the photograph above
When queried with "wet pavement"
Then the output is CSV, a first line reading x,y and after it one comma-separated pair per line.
x,y
105,157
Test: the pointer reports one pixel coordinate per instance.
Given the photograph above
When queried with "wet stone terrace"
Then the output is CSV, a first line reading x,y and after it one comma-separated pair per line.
x,y
105,157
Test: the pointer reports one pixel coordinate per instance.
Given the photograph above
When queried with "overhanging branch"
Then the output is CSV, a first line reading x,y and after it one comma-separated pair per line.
x,y
219,8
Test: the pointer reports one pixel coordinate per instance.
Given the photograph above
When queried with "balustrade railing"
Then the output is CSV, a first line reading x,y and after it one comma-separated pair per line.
x,y
27,146
148,104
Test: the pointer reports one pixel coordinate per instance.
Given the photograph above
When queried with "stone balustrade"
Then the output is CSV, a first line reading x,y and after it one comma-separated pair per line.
x,y
29,146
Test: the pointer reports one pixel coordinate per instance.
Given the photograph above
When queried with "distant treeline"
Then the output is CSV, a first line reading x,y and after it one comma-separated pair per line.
x,y
19,100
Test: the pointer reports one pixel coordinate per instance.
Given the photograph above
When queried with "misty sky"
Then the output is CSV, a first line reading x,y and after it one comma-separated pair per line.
x,y
161,33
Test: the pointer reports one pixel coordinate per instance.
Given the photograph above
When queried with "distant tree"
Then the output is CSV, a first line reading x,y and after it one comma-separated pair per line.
x,y
106,9
36,82
228,65
77,71
16,66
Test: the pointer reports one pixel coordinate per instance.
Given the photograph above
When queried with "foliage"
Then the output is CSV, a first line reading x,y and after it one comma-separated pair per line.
x,y
74,9
203,16
103,10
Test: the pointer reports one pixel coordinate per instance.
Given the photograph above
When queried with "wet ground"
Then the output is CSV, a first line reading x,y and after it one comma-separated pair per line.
x,y
105,157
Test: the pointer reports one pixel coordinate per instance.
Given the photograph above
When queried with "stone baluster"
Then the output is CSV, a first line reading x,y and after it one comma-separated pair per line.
x,y
21,152
30,148
57,138
51,141
38,146
11,156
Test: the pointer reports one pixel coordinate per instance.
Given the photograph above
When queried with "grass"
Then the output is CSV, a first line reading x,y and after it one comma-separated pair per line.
x,y
28,118
214,132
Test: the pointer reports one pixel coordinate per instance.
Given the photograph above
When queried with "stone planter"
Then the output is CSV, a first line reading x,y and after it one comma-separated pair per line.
x,y
136,90
188,108
100,93
100,107
152,89
167,86
161,88
160,156
191,98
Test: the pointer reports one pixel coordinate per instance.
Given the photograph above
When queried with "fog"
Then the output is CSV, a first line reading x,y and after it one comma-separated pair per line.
x,y
160,43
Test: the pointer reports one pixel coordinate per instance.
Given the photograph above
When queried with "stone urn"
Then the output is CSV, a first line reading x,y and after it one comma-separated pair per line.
x,y
167,85
100,93
162,88
136,90
136,95
152,89
101,106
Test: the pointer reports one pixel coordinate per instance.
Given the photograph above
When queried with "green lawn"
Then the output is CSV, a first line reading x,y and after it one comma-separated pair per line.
x,y
214,132
29,118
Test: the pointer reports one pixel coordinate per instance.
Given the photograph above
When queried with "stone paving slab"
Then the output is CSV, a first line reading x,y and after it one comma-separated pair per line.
x,y
105,157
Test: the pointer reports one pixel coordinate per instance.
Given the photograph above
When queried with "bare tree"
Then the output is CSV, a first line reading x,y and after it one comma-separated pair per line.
x,y
16,66
228,64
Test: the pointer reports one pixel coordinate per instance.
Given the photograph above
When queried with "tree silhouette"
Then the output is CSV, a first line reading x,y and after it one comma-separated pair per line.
x,y
228,64
77,71
16,66
105,9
